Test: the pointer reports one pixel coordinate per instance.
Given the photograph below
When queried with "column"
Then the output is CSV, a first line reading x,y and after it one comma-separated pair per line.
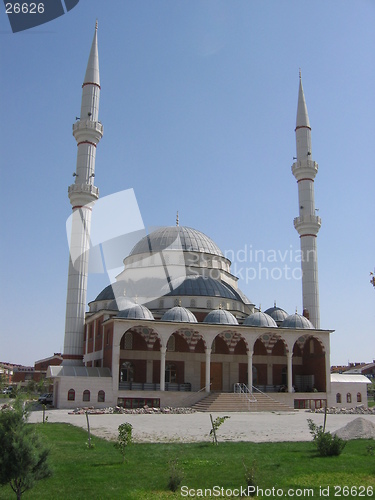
x,y
163,350
290,371
149,371
250,370
115,366
208,370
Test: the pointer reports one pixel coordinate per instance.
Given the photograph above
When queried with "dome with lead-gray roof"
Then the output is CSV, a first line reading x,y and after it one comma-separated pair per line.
x,y
176,238
276,313
221,317
297,321
137,311
179,314
260,319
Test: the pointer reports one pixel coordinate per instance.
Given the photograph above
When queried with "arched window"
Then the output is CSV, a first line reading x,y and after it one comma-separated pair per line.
x,y
161,303
101,397
86,395
171,345
348,398
127,372
209,304
359,397
192,303
170,373
71,395
338,398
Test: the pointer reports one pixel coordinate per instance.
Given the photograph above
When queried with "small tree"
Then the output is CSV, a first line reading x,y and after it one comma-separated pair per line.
x,y
176,475
215,425
326,444
124,438
23,458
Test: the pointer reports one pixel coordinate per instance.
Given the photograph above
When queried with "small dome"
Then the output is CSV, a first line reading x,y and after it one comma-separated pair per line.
x,y
121,303
297,321
220,316
180,314
260,319
276,313
137,311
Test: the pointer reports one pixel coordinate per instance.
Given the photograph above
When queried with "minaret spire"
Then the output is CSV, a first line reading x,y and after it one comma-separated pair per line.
x,y
308,223
82,195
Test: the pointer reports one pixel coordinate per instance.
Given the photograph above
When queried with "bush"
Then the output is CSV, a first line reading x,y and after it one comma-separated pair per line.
x,y
176,475
250,477
124,438
326,444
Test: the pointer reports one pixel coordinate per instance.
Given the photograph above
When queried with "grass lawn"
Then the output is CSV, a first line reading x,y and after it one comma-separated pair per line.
x,y
99,473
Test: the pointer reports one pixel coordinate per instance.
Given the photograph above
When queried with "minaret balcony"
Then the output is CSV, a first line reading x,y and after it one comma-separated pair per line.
x,y
305,169
82,194
307,224
87,130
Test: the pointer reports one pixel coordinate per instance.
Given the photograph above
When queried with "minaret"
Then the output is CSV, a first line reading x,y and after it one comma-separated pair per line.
x,y
308,223
87,132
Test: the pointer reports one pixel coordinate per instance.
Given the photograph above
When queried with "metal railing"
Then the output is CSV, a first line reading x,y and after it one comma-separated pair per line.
x,y
245,392
139,386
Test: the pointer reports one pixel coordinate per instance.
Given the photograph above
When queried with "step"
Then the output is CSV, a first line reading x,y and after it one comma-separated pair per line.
x,y
234,402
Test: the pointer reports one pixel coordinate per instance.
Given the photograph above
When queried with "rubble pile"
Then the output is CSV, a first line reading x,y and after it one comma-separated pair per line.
x,y
358,410
132,411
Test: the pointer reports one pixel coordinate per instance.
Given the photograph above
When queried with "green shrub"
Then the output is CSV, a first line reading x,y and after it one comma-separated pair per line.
x,y
250,476
326,444
124,438
176,475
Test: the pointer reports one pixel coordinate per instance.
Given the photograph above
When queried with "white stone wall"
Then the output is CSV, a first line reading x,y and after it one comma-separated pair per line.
x,y
62,385
346,388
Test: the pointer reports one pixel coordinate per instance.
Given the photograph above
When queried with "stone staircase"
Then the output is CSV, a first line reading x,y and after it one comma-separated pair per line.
x,y
233,402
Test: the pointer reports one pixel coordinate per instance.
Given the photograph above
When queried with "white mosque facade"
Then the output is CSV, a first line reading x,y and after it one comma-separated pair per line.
x,y
175,326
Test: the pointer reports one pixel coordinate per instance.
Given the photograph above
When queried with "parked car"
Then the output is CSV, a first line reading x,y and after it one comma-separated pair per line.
x,y
8,390
46,399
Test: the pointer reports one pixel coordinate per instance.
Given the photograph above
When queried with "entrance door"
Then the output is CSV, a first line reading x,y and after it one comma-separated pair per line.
x,y
216,376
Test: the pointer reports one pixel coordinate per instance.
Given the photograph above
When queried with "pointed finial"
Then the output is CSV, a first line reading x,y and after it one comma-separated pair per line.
x,y
274,303
300,74
260,307
179,302
96,24
124,292
296,310
177,220
220,306
136,299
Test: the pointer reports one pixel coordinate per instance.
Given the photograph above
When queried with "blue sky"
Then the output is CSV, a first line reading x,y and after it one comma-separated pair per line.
x,y
198,104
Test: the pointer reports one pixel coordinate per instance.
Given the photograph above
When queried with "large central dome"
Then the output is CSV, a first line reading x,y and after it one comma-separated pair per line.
x,y
176,238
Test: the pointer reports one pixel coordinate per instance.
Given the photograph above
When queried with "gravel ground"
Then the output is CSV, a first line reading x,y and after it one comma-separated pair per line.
x,y
254,427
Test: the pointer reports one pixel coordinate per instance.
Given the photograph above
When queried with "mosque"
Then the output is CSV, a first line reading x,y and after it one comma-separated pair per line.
x,y
174,326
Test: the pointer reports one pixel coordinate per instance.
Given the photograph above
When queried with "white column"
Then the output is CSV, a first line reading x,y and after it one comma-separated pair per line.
x,y
163,350
269,372
208,370
290,371
115,368
149,371
328,369
250,370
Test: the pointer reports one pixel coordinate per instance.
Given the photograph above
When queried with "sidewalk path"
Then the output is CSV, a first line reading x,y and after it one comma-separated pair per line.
x,y
254,427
